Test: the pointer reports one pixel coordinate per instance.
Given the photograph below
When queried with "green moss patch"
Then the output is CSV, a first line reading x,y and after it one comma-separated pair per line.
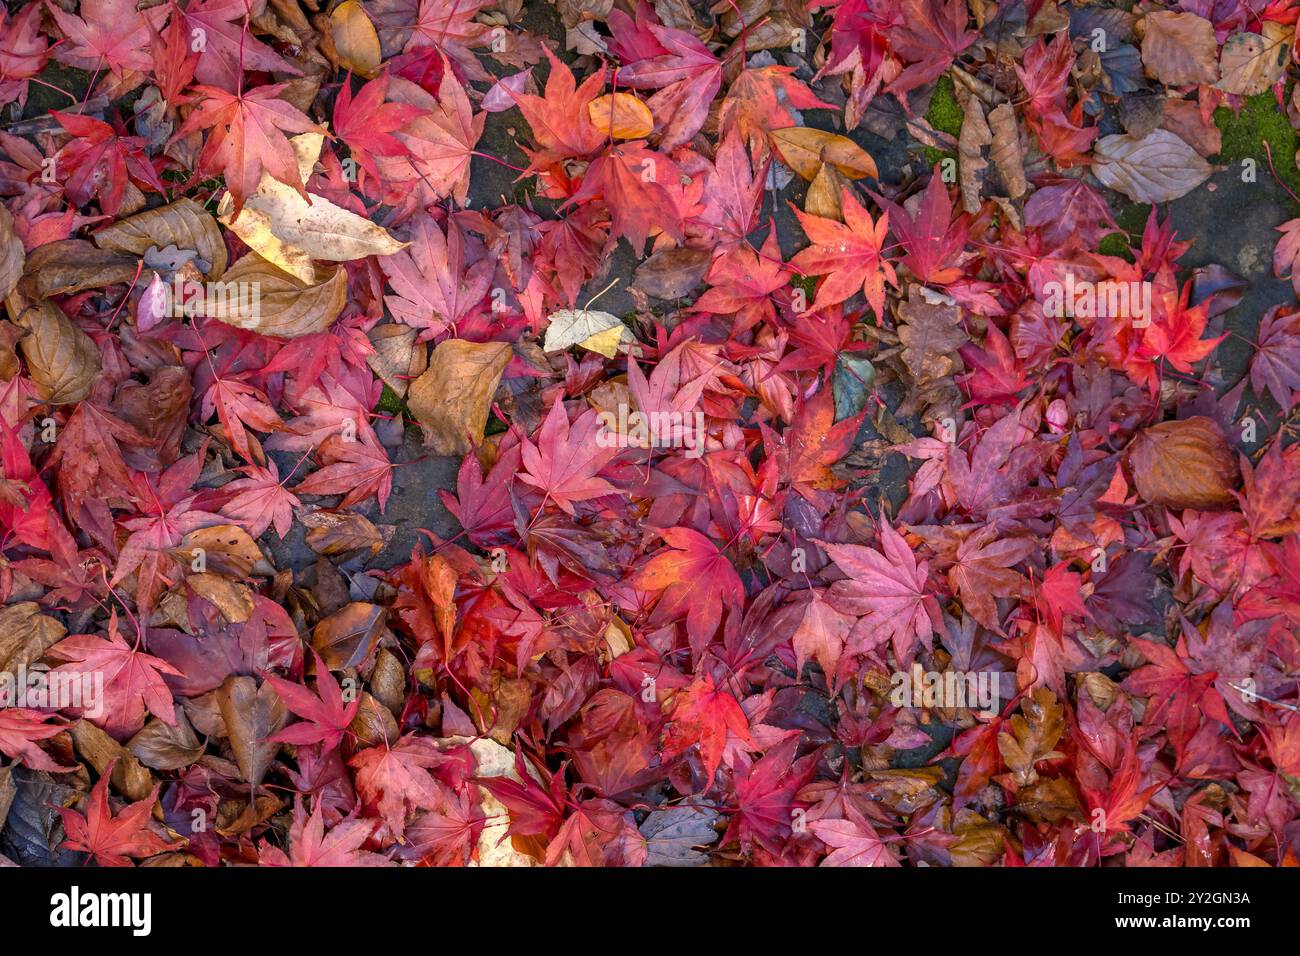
x,y
1244,134
945,114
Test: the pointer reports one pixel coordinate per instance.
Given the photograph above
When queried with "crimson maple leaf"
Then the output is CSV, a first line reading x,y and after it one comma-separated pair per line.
x,y
131,680
326,716
742,282
113,34
24,51
932,33
932,243
260,500
888,587
229,48
566,458
561,124
536,808
631,180
366,123
355,469
311,845
694,580
433,285
447,834
849,254
683,70
99,161
854,840
248,136
395,778
703,715
114,840
20,728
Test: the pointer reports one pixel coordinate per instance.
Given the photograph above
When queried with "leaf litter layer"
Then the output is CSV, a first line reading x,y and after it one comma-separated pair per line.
x,y
682,619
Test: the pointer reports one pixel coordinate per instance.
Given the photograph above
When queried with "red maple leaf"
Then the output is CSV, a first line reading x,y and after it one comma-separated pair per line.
x,y
20,728
395,778
113,34
703,715
325,714
566,458
248,136
849,254
888,587
131,680
694,580
114,840
310,844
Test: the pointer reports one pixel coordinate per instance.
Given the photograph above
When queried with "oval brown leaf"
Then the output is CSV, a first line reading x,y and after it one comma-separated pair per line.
x,y
62,360
252,714
71,265
346,637
1157,167
256,295
183,224
804,149
12,256
1184,464
451,399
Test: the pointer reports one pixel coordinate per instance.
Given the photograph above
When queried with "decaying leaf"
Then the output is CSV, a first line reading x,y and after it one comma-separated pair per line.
x,y
62,360
1252,62
804,149
1158,167
452,398
1184,464
975,135
255,295
183,224
291,231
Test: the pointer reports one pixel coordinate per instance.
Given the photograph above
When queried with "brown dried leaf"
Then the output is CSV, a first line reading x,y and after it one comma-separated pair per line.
x,y
62,360
1179,48
1251,63
1184,464
251,714
824,193
25,635
12,256
183,224
270,301
672,273
398,358
348,636
1034,732
804,149
1155,168
930,333
226,549
1007,154
452,398
98,749
162,747
356,41
71,265
975,135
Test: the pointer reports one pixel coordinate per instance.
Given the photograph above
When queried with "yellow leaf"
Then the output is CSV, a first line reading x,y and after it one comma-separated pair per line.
x,y
355,39
629,117
804,150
